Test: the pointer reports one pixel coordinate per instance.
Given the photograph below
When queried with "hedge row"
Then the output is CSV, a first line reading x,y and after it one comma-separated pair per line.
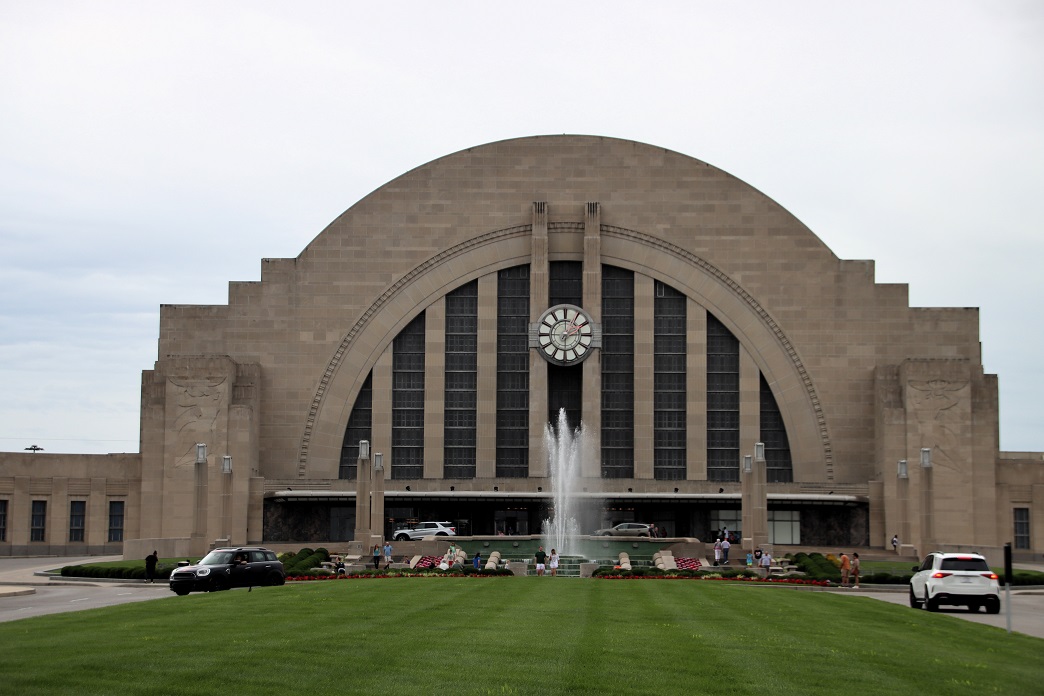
x,y
302,562
816,566
114,572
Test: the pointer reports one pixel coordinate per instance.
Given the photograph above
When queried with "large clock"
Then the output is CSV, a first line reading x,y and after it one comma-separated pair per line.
x,y
565,334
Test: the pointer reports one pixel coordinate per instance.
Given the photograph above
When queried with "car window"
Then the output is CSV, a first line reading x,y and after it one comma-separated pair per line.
x,y
257,557
927,565
976,564
217,558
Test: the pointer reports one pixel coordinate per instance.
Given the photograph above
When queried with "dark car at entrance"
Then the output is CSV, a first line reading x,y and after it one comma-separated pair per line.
x,y
223,569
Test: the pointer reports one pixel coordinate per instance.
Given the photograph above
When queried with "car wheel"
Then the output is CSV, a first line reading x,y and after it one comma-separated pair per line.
x,y
441,534
275,580
929,603
973,607
181,592
992,605
914,602
402,537
644,535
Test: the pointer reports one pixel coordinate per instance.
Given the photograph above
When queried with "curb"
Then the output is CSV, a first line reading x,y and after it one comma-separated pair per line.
x,y
16,591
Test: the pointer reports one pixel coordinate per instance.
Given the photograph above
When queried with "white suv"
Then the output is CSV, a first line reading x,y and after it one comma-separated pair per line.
x,y
424,529
955,578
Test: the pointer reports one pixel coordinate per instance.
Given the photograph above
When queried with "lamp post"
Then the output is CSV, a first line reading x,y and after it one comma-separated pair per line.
x,y
362,494
902,495
226,495
927,500
200,522
754,499
377,499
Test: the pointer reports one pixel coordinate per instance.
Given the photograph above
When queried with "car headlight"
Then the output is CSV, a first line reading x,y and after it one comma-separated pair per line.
x,y
202,572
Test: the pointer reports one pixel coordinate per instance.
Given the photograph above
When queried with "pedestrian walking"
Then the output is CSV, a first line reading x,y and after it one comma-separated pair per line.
x,y
846,566
376,556
150,567
387,554
725,546
540,559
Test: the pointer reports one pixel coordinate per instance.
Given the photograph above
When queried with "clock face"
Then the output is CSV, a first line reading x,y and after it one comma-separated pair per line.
x,y
564,334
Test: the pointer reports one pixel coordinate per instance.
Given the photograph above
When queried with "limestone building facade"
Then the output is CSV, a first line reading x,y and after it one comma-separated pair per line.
x,y
685,318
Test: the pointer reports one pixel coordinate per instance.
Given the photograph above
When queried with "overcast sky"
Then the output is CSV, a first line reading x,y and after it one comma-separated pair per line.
x,y
152,152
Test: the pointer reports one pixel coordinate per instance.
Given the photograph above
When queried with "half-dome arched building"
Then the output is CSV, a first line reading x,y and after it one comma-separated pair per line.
x,y
687,319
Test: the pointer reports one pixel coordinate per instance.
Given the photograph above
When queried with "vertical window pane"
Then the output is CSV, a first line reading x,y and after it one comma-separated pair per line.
x,y
722,402
617,372
669,396
408,401
778,468
115,520
77,519
513,372
1022,528
461,375
38,521
566,283
359,427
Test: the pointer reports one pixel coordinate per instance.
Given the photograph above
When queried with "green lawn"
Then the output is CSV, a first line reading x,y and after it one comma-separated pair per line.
x,y
514,636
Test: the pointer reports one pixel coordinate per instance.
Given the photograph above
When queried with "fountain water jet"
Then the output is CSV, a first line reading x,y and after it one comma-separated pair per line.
x,y
564,450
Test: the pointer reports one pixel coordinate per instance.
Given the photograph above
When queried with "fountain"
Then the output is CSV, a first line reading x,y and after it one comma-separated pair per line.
x,y
564,450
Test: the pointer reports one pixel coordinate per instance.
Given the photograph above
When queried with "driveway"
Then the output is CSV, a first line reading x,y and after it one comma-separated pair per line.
x,y
1027,609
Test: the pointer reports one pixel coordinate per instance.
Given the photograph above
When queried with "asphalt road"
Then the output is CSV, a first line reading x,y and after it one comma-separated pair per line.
x,y
55,599
1027,609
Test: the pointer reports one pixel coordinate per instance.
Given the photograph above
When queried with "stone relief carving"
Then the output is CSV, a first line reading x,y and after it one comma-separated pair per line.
x,y
198,405
935,405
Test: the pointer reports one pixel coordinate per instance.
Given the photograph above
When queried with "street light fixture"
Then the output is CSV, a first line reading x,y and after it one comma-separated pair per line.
x,y
226,464
378,461
903,472
748,465
364,449
201,453
926,457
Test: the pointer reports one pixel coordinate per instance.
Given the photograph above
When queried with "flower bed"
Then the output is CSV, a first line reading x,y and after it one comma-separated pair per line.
x,y
405,573
738,578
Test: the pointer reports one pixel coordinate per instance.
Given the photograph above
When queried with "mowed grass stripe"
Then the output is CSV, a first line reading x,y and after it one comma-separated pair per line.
x,y
514,635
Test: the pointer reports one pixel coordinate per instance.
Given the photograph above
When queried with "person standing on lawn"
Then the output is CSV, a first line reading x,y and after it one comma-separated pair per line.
x,y
846,565
554,563
855,570
540,559
150,567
